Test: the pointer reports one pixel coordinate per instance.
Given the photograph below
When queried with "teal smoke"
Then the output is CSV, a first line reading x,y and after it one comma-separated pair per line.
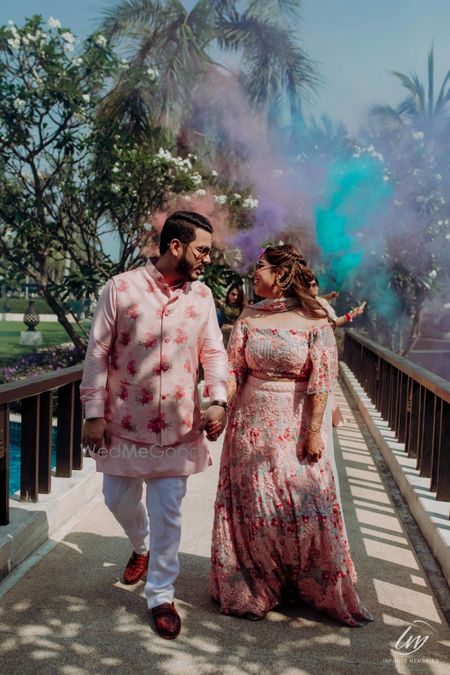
x,y
354,206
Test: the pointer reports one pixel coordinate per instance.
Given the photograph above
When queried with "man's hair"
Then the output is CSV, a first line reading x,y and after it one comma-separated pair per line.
x,y
182,225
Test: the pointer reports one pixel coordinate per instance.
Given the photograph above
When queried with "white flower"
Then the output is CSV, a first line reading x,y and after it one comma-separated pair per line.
x,y
438,176
147,227
214,173
14,43
78,61
432,274
418,135
152,73
200,193
124,65
237,195
187,198
19,104
115,169
220,199
100,40
115,188
250,203
69,40
196,179
164,154
386,178
86,98
53,23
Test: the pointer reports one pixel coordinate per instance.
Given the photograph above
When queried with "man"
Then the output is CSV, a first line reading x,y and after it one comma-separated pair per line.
x,y
151,328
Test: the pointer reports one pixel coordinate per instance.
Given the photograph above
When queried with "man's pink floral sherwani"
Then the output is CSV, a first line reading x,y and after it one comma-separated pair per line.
x,y
141,371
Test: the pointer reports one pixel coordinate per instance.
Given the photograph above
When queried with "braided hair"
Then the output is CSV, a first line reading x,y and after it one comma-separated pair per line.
x,y
295,278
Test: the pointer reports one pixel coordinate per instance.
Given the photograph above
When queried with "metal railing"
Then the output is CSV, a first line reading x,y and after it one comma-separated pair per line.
x,y
36,396
414,401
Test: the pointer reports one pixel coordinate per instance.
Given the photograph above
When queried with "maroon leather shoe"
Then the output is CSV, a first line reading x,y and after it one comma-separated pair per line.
x,y
136,568
167,620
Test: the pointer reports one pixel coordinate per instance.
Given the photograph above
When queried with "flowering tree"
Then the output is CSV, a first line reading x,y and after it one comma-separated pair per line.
x,y
69,181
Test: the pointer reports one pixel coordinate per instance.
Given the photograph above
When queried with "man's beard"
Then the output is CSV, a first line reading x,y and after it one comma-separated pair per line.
x,y
185,269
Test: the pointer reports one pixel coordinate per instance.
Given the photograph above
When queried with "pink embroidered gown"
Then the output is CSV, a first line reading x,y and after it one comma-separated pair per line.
x,y
277,520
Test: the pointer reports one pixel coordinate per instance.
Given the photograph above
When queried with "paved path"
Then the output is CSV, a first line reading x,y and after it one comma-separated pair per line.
x,y
70,614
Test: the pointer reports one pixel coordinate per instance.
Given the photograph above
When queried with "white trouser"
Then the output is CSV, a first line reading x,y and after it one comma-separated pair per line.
x,y
164,496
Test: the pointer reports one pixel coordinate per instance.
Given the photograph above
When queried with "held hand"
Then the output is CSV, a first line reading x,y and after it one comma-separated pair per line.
x,y
213,422
95,435
313,447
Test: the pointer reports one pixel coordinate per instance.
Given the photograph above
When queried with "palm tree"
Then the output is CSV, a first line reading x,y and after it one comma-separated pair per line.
x,y
170,51
421,110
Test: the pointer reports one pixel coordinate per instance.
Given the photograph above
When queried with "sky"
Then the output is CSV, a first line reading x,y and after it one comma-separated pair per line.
x,y
356,43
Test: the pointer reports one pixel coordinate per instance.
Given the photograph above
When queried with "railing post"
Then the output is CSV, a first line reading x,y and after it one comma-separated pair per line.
x,y
64,437
77,427
45,442
29,466
428,435
443,473
4,464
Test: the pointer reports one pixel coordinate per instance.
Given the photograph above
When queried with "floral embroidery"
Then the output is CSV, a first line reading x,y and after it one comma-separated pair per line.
x,y
150,288
150,340
124,338
123,393
190,312
187,366
161,367
132,312
131,367
122,286
181,336
179,392
145,396
127,423
158,423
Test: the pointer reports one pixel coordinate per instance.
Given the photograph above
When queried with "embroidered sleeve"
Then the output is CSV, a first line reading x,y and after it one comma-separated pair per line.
x,y
237,367
213,357
323,354
101,339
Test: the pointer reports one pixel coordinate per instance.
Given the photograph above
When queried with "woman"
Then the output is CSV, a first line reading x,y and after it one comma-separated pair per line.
x,y
324,301
230,309
277,521
338,321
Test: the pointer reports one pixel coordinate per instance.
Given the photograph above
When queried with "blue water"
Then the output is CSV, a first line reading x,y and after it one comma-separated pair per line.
x,y
14,455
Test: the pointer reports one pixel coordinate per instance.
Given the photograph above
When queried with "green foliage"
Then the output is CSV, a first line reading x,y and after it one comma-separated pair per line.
x,y
68,178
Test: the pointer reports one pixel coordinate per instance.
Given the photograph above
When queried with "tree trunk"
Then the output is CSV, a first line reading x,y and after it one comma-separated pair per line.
x,y
415,328
58,309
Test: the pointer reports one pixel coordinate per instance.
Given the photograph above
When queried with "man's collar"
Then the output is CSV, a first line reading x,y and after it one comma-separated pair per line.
x,y
157,276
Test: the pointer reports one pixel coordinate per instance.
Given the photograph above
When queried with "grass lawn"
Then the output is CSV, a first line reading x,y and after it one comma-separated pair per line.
x,y
52,334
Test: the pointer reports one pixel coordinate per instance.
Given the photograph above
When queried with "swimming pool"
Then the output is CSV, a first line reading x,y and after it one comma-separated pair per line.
x,y
14,455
